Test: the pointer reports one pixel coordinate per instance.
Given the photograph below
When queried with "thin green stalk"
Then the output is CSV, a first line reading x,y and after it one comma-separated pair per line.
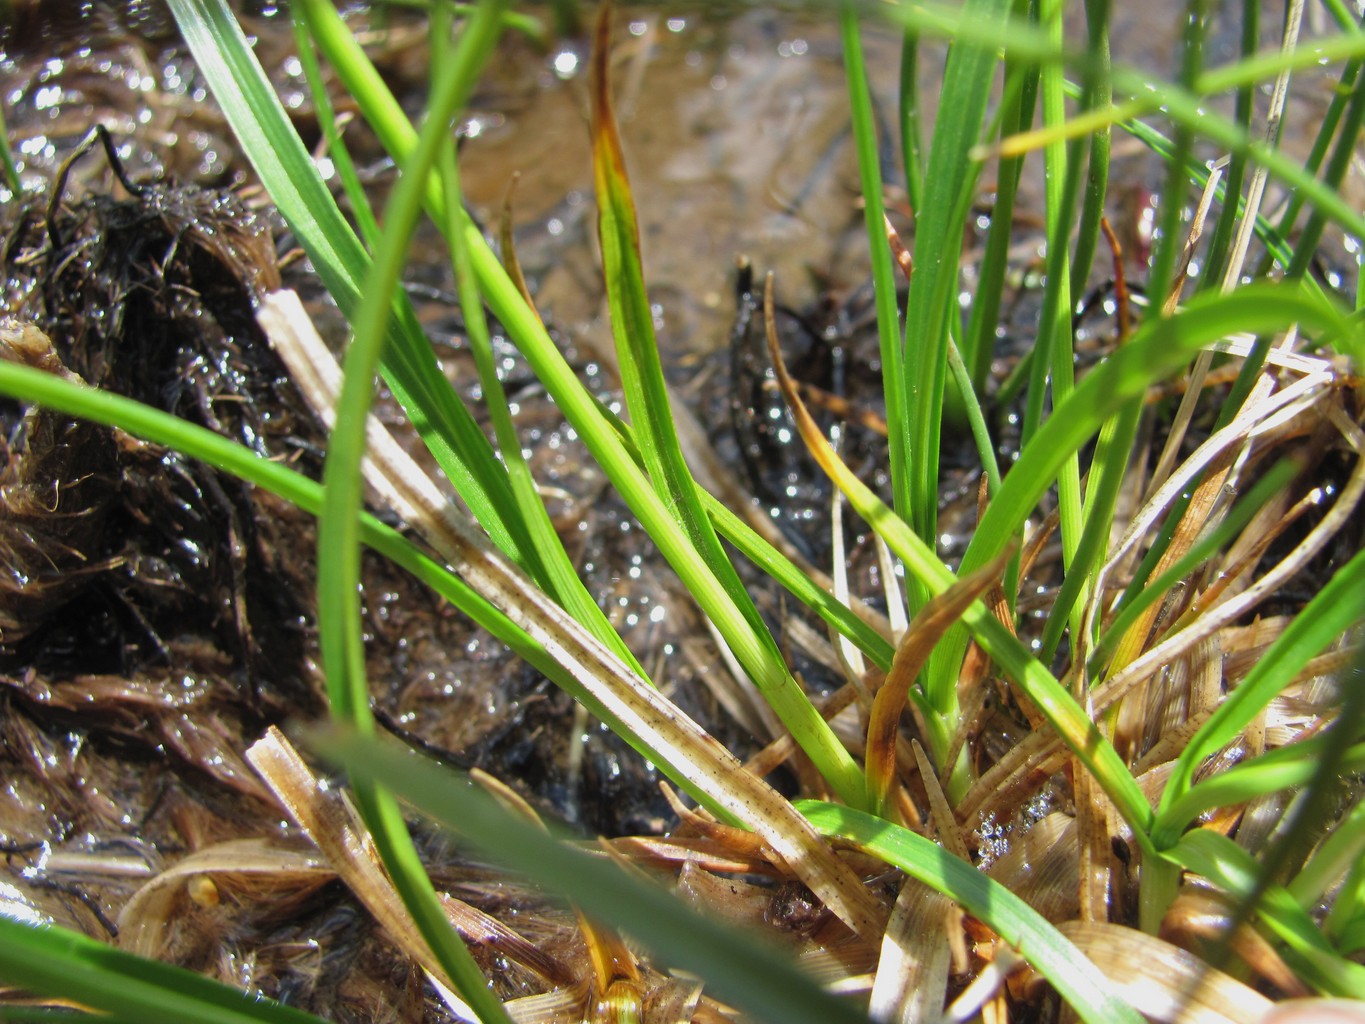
x,y
883,273
1220,244
12,181
336,145
1098,94
1053,353
1020,97
908,105
1331,118
339,610
951,174
562,579
1170,239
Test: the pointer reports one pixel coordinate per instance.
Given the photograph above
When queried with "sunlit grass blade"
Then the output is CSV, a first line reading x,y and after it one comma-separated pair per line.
x,y
735,966
1050,953
1279,769
1336,608
336,145
561,578
64,964
632,322
1220,244
583,412
779,567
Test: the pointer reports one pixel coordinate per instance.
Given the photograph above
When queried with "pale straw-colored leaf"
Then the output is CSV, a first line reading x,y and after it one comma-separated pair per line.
x,y
911,983
1168,984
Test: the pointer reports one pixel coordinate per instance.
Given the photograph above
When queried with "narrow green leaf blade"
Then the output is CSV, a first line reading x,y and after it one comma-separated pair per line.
x,y
62,963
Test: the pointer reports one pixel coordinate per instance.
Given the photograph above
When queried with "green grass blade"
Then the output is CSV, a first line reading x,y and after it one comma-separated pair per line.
x,y
776,565
1341,95
582,411
1336,608
908,108
632,322
737,967
1221,242
12,181
336,145
1050,953
874,216
561,578
62,963
1279,769
949,177
1098,93
1107,472
1341,850
339,612
1053,348
978,346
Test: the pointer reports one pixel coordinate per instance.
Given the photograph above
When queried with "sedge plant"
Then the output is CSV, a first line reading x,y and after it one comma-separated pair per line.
x,y
1149,587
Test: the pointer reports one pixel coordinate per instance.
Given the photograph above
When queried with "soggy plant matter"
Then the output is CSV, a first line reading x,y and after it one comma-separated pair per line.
x,y
968,760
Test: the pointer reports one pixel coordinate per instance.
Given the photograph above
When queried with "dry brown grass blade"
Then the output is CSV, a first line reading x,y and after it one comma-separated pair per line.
x,y
1040,867
1094,844
337,831
945,823
507,242
1231,610
143,920
928,627
1201,917
1266,417
631,701
1171,985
